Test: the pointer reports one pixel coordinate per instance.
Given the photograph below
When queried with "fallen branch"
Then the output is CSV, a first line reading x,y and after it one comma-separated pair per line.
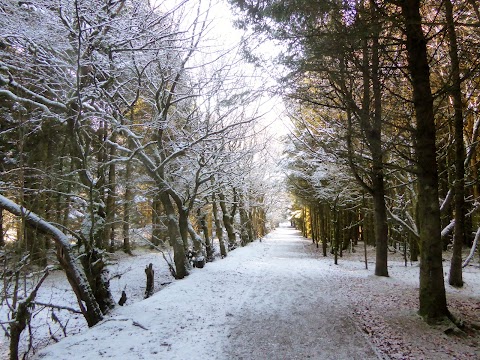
x,y
135,323
58,307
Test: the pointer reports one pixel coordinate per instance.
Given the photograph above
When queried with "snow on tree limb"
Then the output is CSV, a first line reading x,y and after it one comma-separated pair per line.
x,y
35,221
446,202
412,229
74,271
473,248
38,100
447,230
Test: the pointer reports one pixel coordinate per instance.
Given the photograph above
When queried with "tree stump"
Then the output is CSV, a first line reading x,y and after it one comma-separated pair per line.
x,y
199,262
123,298
150,273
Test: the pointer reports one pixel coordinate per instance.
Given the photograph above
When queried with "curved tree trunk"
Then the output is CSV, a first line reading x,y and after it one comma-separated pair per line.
x,y
198,245
75,273
176,241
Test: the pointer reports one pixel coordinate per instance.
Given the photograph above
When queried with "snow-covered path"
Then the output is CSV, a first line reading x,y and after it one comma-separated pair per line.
x,y
292,309
269,300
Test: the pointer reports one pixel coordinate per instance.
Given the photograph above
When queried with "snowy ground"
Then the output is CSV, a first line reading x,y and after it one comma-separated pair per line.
x,y
275,299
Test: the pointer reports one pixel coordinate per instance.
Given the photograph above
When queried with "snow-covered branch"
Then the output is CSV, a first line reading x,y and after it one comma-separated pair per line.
x,y
412,229
74,271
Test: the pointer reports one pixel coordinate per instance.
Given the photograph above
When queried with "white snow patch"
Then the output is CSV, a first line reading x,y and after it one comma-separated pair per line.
x,y
197,317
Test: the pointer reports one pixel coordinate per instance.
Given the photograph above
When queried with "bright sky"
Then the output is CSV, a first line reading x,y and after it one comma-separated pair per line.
x,y
222,35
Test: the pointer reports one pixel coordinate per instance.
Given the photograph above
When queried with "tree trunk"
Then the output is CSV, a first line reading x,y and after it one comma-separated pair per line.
x,y
250,228
98,278
228,223
183,226
244,224
381,229
324,230
75,273
2,235
98,208
150,280
198,244
336,236
179,255
202,219
110,202
261,229
433,304
380,211
312,224
341,232
455,277
156,223
218,227
22,318
126,209
414,250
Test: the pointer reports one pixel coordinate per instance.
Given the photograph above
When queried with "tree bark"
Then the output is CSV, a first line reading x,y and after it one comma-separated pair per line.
x,y
336,236
312,223
156,224
22,318
414,250
110,201
244,224
371,126
2,235
228,223
97,275
202,219
123,298
380,211
198,244
323,229
126,209
179,255
218,227
150,280
183,226
456,277
381,229
433,304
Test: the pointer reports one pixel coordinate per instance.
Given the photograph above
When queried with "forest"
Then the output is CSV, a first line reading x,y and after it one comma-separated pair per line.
x,y
127,124
383,99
